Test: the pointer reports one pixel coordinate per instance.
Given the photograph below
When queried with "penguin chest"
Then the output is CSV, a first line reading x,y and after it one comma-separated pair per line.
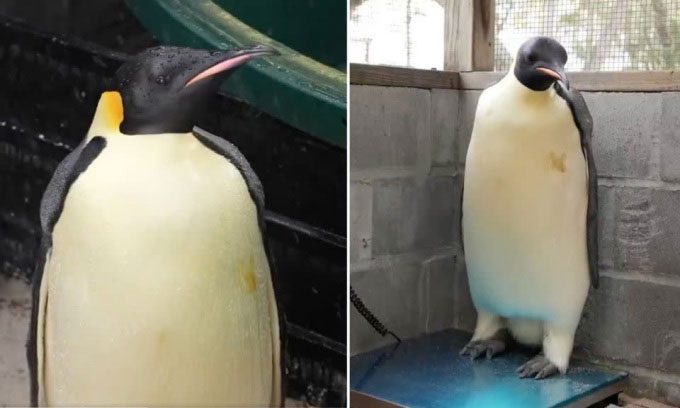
x,y
524,211
158,284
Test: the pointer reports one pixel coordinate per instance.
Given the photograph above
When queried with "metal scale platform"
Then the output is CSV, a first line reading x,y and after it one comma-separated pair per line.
x,y
427,372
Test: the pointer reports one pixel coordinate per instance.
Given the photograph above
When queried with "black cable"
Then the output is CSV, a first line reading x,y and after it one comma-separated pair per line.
x,y
370,317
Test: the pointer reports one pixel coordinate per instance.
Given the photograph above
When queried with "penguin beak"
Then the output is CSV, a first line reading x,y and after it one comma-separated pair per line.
x,y
549,72
220,61
557,74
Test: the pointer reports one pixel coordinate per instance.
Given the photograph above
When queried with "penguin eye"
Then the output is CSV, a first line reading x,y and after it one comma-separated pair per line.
x,y
532,58
162,79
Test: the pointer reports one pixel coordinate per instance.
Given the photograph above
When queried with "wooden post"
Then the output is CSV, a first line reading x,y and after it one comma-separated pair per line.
x,y
469,35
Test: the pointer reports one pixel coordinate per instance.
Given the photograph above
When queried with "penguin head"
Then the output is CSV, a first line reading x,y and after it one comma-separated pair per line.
x,y
163,88
540,62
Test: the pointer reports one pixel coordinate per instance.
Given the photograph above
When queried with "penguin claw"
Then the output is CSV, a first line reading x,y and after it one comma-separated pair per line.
x,y
538,367
489,348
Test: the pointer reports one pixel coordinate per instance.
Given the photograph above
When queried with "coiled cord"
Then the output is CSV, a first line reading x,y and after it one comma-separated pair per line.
x,y
370,317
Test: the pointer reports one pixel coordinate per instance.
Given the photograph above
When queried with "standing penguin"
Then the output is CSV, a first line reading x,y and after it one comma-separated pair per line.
x,y
529,210
153,286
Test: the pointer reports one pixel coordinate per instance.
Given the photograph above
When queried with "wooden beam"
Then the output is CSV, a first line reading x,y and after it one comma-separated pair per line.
x,y
479,80
483,35
624,81
469,35
621,81
362,74
458,35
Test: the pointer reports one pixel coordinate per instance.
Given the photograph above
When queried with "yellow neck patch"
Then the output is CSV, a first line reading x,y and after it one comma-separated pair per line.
x,y
111,105
109,115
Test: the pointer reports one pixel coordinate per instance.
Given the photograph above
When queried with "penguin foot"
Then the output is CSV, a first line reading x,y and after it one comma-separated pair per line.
x,y
489,347
538,367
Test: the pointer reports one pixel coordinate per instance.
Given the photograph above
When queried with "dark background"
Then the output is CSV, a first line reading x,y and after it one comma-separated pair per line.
x,y
56,57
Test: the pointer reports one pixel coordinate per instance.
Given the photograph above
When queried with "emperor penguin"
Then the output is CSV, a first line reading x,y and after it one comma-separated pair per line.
x,y
529,211
153,286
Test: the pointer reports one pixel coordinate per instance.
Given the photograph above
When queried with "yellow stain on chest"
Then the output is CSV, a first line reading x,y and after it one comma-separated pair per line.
x,y
558,162
248,276
162,336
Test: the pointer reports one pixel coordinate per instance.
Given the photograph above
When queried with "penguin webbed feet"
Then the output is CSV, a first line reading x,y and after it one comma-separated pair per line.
x,y
489,348
538,367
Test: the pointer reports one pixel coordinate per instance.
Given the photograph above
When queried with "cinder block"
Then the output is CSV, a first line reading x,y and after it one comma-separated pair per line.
x,y
634,229
465,312
410,216
395,216
448,295
632,322
640,230
444,122
361,221
440,288
390,127
627,225
624,124
664,231
396,295
669,136
606,220
467,102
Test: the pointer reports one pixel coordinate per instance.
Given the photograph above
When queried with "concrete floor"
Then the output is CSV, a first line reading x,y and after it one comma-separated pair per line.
x,y
15,313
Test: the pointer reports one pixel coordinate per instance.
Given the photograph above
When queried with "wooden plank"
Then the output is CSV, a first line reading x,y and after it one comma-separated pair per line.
x,y
632,402
483,34
479,80
624,81
458,35
362,74
627,81
469,35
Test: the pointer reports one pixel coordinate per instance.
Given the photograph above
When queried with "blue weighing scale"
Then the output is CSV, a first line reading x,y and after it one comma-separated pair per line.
x,y
427,372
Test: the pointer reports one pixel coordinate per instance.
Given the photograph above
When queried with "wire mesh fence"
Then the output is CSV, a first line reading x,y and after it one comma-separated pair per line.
x,y
604,35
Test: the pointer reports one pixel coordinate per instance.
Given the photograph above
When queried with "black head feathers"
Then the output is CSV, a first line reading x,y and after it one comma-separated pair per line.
x,y
163,88
540,62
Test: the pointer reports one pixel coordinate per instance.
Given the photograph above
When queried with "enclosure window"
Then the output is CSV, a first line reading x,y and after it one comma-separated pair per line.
x,y
608,35
407,33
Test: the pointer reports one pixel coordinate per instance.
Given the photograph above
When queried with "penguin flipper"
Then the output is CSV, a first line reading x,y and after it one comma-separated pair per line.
x,y
51,205
584,123
234,156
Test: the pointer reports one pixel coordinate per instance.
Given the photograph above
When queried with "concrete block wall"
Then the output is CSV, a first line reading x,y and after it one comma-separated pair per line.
x,y
405,186
408,150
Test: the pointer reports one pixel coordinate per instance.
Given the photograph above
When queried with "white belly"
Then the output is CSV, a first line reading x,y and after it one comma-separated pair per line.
x,y
159,289
524,209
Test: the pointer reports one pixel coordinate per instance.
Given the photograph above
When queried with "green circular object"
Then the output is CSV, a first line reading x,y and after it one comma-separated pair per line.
x,y
293,87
